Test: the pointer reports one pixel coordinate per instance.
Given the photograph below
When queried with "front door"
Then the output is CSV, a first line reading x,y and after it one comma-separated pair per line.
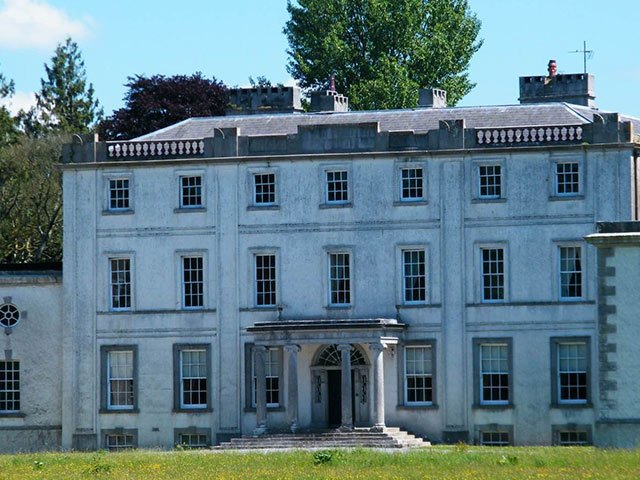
x,y
334,400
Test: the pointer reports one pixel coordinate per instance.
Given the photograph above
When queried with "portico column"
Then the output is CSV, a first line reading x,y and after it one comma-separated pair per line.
x,y
292,385
347,413
377,350
259,358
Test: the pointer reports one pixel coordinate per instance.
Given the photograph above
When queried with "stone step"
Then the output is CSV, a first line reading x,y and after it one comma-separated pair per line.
x,y
391,437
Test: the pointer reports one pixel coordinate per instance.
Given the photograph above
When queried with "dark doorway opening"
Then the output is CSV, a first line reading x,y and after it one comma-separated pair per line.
x,y
334,384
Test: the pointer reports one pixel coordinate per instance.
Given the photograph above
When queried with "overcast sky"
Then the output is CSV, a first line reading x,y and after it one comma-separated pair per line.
x,y
242,38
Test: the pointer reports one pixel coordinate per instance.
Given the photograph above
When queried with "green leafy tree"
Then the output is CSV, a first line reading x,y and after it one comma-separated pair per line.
x,y
31,201
8,131
65,103
382,51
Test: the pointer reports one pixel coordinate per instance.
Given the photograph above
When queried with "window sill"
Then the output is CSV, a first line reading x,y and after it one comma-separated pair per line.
x,y
190,210
269,409
489,200
433,406
118,412
560,198
338,307
323,206
497,406
128,211
409,306
192,410
563,406
12,415
257,208
410,203
269,308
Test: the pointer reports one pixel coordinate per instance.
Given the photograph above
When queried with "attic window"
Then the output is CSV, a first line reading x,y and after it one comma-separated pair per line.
x,y
9,315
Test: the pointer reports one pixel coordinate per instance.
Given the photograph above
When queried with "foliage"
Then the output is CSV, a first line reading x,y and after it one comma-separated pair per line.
x,y
8,131
261,81
322,456
155,102
382,51
65,104
31,201
441,462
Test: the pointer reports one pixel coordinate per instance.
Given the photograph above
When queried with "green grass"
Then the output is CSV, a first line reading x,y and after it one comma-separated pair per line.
x,y
457,462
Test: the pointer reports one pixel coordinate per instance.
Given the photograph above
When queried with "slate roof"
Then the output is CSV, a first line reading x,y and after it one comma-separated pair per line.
x,y
418,120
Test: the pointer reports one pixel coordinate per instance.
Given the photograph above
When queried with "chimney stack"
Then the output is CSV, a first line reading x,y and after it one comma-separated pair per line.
x,y
432,98
576,88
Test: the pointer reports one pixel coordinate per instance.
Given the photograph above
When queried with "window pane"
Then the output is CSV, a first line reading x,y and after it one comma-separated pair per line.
x,y
414,276
120,379
120,283
118,193
193,282
265,280
567,178
265,188
572,372
339,278
418,374
490,177
191,191
570,272
193,381
411,188
9,386
494,373
492,274
337,186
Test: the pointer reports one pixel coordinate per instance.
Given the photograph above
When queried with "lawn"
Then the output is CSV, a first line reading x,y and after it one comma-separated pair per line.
x,y
457,462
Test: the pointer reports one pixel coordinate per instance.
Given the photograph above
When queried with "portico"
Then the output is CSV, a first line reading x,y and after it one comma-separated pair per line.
x,y
347,370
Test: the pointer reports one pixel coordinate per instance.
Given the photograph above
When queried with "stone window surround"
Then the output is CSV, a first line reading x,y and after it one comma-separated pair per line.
x,y
555,394
105,432
330,250
254,252
476,197
479,246
104,378
132,283
400,355
399,168
477,392
558,244
553,183
340,167
400,249
186,173
177,377
251,191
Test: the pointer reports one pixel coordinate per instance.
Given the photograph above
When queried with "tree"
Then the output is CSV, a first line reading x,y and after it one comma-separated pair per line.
x,y
158,101
8,131
382,51
31,201
65,104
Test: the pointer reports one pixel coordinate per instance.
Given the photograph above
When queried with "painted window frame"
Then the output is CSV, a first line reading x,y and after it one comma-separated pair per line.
x,y
255,175
8,395
556,385
108,191
430,346
187,296
557,432
330,253
178,389
132,433
403,250
405,167
478,379
325,170
487,246
555,193
263,253
560,272
178,434
185,193
105,400
493,429
128,287
496,185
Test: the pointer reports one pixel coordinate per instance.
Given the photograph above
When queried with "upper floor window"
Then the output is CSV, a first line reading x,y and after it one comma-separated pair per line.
x,y
418,374
120,274
339,279
265,265
414,276
490,181
264,189
493,274
337,186
192,282
411,187
191,191
570,272
9,386
119,195
567,178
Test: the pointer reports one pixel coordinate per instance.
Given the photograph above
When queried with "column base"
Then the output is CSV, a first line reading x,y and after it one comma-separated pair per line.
x,y
378,428
260,430
294,427
344,428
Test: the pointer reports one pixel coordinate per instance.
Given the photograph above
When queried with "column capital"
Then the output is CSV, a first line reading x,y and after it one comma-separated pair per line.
x,y
259,349
376,347
292,348
345,346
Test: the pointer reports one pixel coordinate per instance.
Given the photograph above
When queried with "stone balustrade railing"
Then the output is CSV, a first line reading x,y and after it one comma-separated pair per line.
x,y
529,135
157,148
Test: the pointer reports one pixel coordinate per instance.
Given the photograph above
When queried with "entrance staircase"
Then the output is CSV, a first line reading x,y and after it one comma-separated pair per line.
x,y
390,437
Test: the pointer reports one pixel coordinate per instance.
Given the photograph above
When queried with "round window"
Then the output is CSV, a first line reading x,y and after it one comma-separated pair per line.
x,y
9,315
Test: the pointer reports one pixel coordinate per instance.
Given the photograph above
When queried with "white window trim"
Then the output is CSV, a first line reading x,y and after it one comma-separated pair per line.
x,y
109,405
405,389
474,182
480,372
400,249
403,166
254,252
553,184
132,269
571,341
180,292
479,246
194,406
327,261
558,265
19,390
480,196
280,357
178,175
106,179
325,185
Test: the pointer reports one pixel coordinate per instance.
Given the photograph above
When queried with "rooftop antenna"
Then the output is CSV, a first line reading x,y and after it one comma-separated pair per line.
x,y
586,54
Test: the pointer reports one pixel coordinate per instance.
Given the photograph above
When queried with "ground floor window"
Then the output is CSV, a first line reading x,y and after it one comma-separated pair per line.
x,y
571,435
9,386
418,374
120,439
494,438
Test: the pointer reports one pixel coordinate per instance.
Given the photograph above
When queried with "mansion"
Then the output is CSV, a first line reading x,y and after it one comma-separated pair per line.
x,y
438,269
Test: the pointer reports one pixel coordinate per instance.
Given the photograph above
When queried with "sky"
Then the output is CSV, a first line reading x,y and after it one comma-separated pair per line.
x,y
233,40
